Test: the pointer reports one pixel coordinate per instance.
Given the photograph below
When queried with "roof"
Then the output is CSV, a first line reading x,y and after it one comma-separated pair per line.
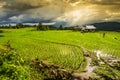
x,y
90,27
83,28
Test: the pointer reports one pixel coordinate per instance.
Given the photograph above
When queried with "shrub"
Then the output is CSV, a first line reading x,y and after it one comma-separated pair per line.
x,y
1,31
12,66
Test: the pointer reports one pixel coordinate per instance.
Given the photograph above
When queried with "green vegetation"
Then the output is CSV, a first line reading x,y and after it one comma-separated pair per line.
x,y
58,47
12,66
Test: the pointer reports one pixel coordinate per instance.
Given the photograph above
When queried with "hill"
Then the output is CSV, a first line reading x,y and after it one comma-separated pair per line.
x,y
108,26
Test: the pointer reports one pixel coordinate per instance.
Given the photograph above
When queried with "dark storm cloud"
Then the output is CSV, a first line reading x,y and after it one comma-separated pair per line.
x,y
20,8
73,12
24,4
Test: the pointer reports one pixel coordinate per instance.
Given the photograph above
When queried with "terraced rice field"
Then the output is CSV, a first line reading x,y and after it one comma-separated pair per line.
x,y
62,47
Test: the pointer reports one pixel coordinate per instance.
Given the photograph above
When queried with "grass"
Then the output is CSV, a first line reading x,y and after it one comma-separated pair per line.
x,y
108,72
60,47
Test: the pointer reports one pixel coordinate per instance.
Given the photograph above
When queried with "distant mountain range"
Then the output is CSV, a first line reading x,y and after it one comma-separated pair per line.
x,y
108,26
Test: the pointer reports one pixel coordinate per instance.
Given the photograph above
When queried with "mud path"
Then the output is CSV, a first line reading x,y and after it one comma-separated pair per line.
x,y
101,58
89,69
88,72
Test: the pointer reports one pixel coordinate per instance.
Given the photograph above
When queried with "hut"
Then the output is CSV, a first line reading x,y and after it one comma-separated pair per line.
x,y
88,28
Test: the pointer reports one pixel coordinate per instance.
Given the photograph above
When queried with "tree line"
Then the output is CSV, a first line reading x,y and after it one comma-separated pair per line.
x,y
17,26
38,27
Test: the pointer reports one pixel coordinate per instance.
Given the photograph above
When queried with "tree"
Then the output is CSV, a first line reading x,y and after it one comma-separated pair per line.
x,y
39,27
19,25
42,27
61,27
47,27
9,26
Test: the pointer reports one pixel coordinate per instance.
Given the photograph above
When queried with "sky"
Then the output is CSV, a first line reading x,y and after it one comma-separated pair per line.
x,y
70,12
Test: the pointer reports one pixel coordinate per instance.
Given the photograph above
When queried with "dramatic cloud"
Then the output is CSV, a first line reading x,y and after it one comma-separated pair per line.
x,y
72,12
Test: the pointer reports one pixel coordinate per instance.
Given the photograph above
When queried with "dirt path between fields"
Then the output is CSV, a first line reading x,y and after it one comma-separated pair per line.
x,y
88,71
